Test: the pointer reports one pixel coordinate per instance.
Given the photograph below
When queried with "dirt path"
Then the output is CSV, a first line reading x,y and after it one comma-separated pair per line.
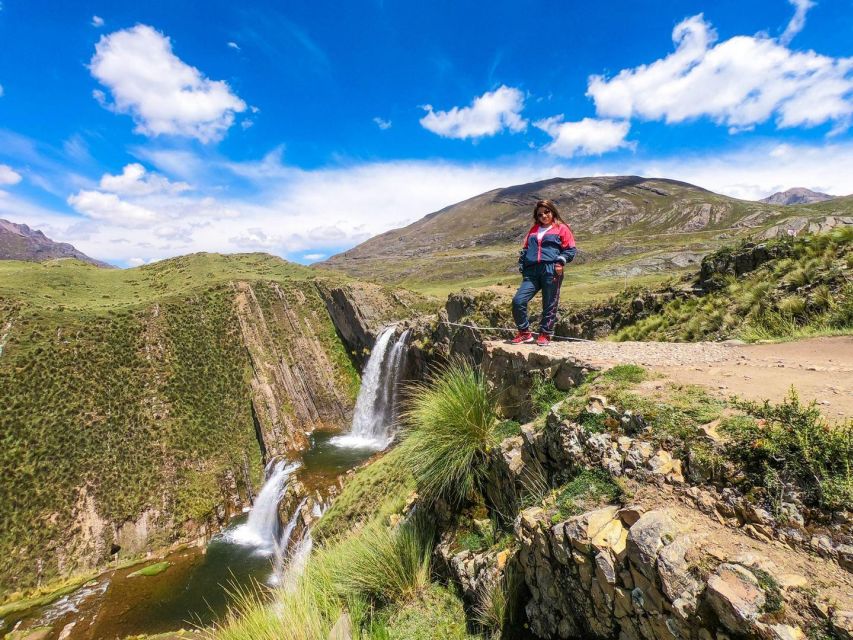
x,y
820,369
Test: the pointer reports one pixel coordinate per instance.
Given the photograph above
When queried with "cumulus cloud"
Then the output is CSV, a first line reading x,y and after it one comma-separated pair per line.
x,y
8,176
740,82
586,137
108,206
163,94
135,180
234,45
382,124
488,114
97,21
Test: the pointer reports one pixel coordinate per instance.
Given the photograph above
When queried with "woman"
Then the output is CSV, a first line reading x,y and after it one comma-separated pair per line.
x,y
548,247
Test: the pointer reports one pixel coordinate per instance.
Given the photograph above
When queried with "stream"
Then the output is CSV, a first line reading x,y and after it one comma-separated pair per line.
x,y
199,584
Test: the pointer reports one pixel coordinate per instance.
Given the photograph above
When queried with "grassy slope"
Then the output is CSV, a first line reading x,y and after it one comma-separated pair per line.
x,y
809,293
132,384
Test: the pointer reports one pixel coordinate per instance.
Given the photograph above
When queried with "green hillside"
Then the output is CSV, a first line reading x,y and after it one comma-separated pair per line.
x,y
126,393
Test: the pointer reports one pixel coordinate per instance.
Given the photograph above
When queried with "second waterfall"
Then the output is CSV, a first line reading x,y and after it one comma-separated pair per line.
x,y
375,416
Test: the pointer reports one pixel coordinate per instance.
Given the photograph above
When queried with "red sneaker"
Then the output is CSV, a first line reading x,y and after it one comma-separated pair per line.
x,y
543,340
522,337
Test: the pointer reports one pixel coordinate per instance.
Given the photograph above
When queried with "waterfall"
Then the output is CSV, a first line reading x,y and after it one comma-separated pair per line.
x,y
261,530
374,416
282,551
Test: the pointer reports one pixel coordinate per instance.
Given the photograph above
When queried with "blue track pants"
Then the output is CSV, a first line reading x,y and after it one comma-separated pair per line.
x,y
535,278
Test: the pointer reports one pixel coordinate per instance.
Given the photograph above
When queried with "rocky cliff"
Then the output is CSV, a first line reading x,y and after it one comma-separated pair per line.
x,y
140,408
681,553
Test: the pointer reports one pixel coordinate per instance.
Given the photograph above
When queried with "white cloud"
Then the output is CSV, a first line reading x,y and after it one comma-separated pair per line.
x,y
313,257
1,90
740,82
488,114
280,211
134,180
163,94
234,45
586,137
108,206
8,175
382,124
798,21
97,21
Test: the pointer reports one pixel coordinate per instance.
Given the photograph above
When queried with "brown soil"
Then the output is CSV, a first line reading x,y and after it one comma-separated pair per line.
x,y
820,369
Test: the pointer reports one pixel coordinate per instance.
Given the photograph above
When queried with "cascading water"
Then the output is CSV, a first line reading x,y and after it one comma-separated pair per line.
x,y
282,550
374,416
261,530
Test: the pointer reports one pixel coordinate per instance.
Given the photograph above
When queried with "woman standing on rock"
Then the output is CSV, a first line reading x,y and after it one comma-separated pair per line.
x,y
548,247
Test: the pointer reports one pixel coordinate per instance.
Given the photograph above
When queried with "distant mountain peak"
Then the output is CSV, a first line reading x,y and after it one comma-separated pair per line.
x,y
20,242
797,195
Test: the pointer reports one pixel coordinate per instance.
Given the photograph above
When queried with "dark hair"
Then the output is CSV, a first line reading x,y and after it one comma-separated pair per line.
x,y
551,207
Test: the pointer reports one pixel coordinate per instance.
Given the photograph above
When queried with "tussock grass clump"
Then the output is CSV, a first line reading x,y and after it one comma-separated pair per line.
x,y
498,603
383,564
369,574
790,446
451,420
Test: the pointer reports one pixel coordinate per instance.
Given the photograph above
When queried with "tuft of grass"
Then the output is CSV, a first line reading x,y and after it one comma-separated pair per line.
x,y
497,607
452,421
506,429
383,564
543,393
792,444
626,374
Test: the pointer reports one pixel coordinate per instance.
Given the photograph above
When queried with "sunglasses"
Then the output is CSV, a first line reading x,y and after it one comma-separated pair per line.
x,y
544,213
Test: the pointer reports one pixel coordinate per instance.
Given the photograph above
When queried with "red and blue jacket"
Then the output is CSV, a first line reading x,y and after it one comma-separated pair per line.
x,y
557,245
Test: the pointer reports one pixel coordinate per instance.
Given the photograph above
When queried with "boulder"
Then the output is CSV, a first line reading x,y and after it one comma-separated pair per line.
x,y
580,530
736,597
674,569
647,536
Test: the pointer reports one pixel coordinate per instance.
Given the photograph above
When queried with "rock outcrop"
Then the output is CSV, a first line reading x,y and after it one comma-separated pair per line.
x,y
295,386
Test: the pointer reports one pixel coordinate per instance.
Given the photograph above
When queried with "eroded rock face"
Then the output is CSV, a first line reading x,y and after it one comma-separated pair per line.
x,y
295,385
582,582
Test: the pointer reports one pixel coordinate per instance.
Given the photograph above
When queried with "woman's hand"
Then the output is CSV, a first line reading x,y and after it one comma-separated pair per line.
x,y
558,269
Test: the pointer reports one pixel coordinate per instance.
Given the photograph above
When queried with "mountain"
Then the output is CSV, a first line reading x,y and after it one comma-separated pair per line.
x,y
626,227
797,195
19,242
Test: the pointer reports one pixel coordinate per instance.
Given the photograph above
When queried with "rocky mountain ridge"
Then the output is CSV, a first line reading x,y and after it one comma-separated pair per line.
x,y
19,242
797,195
624,225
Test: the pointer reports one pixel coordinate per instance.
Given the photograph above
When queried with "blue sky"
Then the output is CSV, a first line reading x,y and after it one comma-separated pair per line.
x,y
141,132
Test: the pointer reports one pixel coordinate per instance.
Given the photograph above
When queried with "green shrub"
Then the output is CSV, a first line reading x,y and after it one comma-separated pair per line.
x,y
452,423
543,393
792,443
585,491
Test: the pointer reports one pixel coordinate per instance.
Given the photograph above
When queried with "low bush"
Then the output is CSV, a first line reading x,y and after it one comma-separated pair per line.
x,y
790,446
